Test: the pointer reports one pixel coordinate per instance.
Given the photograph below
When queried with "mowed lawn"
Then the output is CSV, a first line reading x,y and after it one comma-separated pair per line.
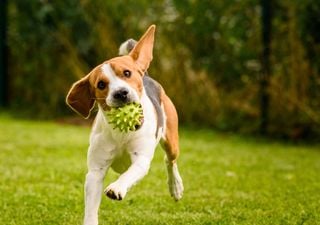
x,y
229,179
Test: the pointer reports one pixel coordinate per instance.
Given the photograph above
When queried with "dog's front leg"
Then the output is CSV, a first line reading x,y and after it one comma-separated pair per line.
x,y
138,169
93,191
98,164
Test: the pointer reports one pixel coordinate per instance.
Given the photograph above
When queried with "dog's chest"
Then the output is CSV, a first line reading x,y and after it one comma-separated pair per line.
x,y
120,145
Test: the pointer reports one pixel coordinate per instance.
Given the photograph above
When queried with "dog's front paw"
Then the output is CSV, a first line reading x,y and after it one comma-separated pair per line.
x,y
90,220
115,191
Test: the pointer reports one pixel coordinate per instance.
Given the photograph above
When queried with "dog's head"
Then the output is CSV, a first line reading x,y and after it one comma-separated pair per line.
x,y
115,82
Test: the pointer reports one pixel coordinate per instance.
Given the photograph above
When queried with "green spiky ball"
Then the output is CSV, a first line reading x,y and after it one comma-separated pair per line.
x,y
126,118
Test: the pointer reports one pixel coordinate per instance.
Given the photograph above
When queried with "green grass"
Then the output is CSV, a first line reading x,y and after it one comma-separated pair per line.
x,y
228,179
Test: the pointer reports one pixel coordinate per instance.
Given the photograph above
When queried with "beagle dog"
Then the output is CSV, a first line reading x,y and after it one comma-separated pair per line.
x,y
113,83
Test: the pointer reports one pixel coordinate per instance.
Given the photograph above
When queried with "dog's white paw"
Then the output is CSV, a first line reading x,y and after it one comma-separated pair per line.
x,y
115,191
176,187
174,180
91,221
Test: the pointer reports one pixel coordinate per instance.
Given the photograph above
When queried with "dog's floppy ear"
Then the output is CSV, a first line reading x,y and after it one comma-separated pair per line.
x,y
80,98
142,51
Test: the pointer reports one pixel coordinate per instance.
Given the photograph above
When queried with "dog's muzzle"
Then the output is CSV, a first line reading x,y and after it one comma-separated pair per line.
x,y
120,97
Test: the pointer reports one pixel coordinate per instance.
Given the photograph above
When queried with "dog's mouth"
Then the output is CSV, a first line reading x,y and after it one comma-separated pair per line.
x,y
114,103
138,126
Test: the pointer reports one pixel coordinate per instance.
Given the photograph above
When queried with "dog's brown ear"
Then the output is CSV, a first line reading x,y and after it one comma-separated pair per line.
x,y
142,52
80,98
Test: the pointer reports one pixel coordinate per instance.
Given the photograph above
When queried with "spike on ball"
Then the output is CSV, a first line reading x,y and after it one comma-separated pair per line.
x,y
126,118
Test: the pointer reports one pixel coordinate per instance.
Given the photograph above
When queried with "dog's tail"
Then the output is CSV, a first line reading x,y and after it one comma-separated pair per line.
x,y
127,46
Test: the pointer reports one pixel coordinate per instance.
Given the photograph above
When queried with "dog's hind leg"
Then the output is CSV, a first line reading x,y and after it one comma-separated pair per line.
x,y
170,143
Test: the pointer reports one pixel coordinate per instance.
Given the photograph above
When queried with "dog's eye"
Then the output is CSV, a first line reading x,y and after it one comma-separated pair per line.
x,y
101,85
127,73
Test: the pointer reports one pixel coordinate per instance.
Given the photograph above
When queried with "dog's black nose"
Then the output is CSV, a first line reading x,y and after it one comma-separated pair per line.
x,y
121,95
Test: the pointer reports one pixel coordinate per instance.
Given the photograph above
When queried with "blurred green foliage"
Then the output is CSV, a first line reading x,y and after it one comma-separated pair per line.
x,y
207,56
